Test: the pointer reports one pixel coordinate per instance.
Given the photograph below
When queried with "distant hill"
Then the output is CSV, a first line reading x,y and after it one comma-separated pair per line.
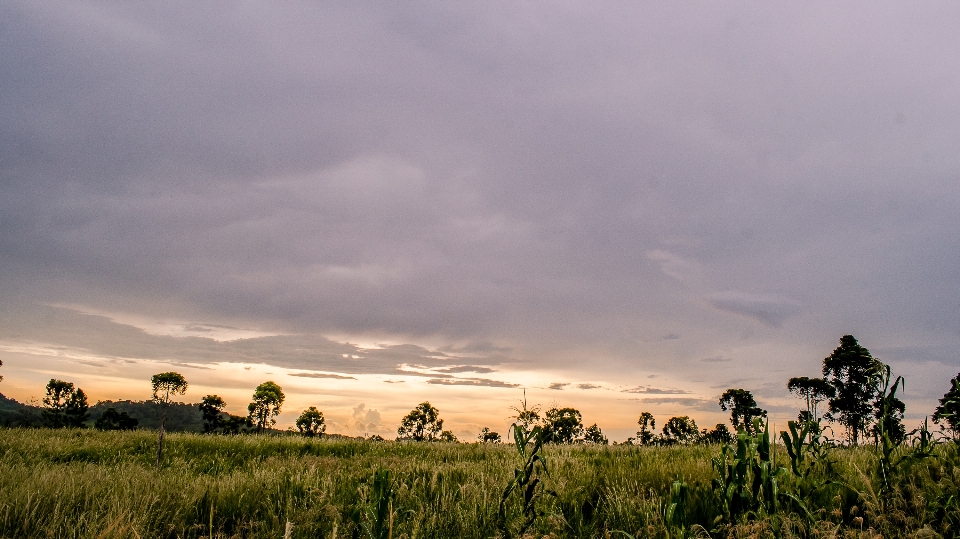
x,y
16,414
180,417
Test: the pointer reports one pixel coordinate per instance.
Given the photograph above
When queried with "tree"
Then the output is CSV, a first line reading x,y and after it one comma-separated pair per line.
x,y
164,386
719,435
488,436
593,435
311,422
211,408
111,419
563,425
66,406
647,425
680,430
448,436
1,365
743,408
813,391
267,399
422,424
855,374
948,411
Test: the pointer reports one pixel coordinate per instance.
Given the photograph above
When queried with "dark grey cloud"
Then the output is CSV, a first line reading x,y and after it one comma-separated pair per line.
x,y
656,390
511,184
557,386
588,386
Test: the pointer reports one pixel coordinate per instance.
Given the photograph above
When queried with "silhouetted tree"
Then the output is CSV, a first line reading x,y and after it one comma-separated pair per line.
x,y
719,435
111,419
855,374
448,436
488,436
948,411
66,406
743,408
593,435
813,391
563,425
680,430
267,399
311,422
211,408
647,425
422,424
164,385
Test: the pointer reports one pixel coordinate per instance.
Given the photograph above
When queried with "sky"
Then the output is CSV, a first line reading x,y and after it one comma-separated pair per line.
x,y
619,207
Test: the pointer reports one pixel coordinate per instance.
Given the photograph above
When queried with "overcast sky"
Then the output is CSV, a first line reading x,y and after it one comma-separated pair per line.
x,y
621,207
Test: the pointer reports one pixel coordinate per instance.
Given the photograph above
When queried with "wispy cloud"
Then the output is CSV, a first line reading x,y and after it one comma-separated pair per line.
x,y
772,310
470,382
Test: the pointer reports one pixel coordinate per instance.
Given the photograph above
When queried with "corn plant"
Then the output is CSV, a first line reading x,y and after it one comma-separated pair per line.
x,y
810,464
675,513
526,479
375,517
747,482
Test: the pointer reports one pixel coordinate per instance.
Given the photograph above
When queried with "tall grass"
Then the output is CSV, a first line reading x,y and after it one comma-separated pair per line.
x,y
85,484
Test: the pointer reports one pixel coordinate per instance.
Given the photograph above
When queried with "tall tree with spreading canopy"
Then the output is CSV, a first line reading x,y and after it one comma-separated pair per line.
x,y
166,385
211,408
948,411
680,430
855,374
311,422
422,424
267,399
563,425
66,406
743,408
647,425
813,391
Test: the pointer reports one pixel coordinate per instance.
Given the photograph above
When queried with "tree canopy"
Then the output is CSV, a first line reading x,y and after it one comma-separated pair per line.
x,y
211,408
563,425
167,384
855,374
311,422
65,405
267,399
948,411
743,408
422,424
813,391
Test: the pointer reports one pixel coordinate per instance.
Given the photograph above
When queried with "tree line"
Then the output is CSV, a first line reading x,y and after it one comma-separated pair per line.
x,y
852,386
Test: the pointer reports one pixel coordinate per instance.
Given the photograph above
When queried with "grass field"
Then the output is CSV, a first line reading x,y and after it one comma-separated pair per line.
x,y
85,483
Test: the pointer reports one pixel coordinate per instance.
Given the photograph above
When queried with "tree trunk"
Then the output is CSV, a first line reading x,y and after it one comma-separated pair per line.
x,y
160,440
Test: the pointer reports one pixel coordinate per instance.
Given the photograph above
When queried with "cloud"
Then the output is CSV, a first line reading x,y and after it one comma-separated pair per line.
x,y
716,359
557,385
655,390
470,382
464,368
674,265
772,310
321,375
588,386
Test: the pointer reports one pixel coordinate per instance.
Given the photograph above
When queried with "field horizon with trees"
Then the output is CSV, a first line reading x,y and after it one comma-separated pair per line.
x,y
206,473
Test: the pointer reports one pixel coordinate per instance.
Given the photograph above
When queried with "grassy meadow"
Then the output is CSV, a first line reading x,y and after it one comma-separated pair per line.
x,y
87,483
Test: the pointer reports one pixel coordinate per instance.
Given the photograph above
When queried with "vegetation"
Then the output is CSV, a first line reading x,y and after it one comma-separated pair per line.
x,y
165,385
267,399
422,424
311,422
64,405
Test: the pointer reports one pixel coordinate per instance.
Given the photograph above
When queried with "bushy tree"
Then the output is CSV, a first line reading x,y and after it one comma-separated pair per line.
x,y
855,374
448,436
813,391
948,411
563,425
680,430
166,385
743,408
65,405
593,435
111,419
488,436
647,428
267,399
311,422
422,424
719,435
211,408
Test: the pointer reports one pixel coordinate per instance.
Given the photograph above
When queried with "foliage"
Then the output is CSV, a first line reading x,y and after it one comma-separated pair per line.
x,y
422,424
527,417
719,435
948,411
373,518
647,425
65,405
743,408
680,430
527,481
489,436
167,384
211,408
267,399
111,419
181,417
747,477
563,426
311,422
448,436
855,374
593,435
813,391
